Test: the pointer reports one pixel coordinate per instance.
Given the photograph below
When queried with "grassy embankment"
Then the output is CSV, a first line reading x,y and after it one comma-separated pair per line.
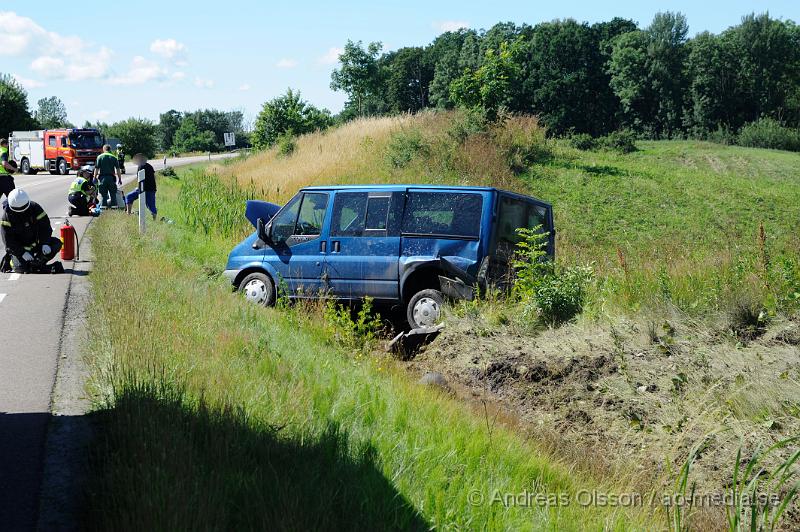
x,y
218,415
674,225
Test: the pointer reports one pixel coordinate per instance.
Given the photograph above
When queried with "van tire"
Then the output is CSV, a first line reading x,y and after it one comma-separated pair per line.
x,y
259,289
425,309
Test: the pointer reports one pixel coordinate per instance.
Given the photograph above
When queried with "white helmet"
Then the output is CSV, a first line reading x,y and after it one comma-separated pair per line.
x,y
18,200
119,145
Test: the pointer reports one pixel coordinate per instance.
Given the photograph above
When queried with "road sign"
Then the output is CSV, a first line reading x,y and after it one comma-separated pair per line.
x,y
230,139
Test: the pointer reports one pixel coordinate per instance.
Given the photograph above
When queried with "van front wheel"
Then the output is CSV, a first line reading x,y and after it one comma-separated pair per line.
x,y
425,308
258,288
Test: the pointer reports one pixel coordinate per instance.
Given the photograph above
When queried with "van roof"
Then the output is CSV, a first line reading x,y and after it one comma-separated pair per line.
x,y
399,187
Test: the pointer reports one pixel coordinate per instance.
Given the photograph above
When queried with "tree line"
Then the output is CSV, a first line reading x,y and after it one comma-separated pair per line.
x,y
594,79
175,132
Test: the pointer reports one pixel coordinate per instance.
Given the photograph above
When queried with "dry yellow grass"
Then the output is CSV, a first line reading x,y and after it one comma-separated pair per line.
x,y
356,153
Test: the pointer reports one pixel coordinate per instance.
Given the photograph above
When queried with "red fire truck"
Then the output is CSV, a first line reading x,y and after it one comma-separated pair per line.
x,y
55,150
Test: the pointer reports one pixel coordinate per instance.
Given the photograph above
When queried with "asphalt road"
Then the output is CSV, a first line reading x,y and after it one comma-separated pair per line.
x,y
32,311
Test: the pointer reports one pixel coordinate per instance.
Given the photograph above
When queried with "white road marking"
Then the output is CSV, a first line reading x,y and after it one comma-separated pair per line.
x,y
13,277
2,297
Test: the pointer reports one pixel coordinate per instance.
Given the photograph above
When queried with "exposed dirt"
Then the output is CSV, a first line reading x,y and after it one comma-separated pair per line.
x,y
632,397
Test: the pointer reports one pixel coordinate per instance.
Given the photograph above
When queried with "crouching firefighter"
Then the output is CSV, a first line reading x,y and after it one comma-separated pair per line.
x,y
28,237
81,197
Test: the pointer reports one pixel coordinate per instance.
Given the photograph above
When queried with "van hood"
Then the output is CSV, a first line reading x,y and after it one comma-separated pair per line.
x,y
260,209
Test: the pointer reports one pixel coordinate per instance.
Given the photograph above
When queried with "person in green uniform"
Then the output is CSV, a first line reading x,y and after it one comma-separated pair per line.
x,y
106,168
6,169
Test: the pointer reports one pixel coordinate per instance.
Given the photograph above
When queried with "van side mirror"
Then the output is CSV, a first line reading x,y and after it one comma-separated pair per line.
x,y
263,230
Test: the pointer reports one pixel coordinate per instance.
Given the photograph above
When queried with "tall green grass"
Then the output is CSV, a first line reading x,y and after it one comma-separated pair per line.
x,y
219,415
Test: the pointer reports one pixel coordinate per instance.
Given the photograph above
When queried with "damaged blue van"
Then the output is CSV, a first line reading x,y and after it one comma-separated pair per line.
x,y
401,244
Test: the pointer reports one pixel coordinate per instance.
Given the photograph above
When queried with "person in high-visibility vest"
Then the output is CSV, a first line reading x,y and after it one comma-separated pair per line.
x,y
80,193
105,169
6,169
27,235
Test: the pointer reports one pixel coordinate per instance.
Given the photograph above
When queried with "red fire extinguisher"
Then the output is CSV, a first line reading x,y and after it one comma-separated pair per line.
x,y
68,240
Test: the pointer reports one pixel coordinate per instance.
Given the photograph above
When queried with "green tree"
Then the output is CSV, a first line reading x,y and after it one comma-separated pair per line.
x,y
408,74
51,113
445,55
565,79
138,135
14,111
490,87
288,114
360,76
647,74
168,124
191,137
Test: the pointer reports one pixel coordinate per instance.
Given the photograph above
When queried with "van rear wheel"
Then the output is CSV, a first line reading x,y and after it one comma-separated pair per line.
x,y
425,309
259,289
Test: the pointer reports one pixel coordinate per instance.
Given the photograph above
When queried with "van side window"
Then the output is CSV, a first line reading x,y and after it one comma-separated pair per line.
x,y
378,213
349,210
52,141
443,214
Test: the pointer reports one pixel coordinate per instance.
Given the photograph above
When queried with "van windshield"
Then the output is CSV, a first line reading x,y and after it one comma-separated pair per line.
x,y
455,214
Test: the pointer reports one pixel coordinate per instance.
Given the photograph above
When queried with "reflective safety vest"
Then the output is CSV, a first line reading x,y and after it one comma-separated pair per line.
x,y
77,186
4,156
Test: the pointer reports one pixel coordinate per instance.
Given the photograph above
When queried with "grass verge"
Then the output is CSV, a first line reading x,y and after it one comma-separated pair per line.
x,y
219,415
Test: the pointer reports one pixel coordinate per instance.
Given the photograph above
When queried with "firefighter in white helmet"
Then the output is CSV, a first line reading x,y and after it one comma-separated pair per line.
x,y
27,235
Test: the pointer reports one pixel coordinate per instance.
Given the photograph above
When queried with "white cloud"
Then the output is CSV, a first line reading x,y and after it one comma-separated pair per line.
x,y
331,57
28,83
203,83
77,60
177,76
141,71
286,63
450,25
170,49
244,87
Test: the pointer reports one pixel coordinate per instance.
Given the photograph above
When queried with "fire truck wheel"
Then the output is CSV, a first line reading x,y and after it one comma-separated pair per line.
x,y
25,166
63,169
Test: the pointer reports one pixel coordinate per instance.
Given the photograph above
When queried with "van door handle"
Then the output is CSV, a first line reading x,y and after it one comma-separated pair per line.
x,y
323,246
336,246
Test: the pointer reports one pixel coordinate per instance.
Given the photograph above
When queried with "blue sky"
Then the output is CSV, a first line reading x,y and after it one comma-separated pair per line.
x,y
142,58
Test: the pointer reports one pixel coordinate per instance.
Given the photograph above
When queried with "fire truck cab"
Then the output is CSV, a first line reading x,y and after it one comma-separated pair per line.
x,y
55,150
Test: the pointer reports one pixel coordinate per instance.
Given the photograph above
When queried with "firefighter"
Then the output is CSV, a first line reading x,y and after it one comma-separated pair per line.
x,y
6,169
27,235
81,196
105,169
120,154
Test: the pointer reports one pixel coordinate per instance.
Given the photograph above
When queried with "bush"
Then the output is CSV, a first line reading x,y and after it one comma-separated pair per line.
x,y
286,145
769,133
620,141
551,295
169,171
583,141
522,141
405,146
721,135
560,296
468,122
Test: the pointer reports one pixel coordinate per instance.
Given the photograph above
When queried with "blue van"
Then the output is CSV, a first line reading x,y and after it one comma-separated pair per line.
x,y
410,245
